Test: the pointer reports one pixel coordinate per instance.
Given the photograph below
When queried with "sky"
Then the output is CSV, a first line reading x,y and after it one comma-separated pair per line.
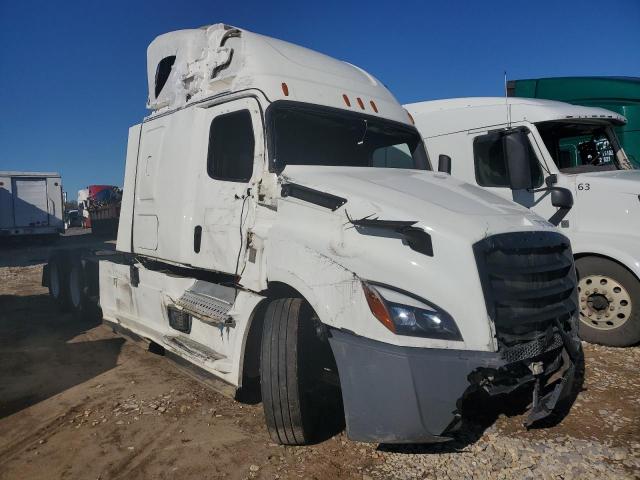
x,y
73,73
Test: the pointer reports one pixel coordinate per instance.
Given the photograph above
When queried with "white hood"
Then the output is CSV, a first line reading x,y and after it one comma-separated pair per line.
x,y
615,192
435,200
617,181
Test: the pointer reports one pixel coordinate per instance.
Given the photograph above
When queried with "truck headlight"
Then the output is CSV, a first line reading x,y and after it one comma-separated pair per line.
x,y
405,314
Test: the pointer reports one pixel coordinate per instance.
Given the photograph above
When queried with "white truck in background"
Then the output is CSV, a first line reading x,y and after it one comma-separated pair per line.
x,y
280,231
83,212
31,204
565,163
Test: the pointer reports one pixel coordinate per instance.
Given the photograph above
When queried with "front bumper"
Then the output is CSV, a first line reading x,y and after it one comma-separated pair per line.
x,y
395,394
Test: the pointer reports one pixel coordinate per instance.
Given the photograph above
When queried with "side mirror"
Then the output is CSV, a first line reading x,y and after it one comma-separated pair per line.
x,y
444,164
516,150
561,198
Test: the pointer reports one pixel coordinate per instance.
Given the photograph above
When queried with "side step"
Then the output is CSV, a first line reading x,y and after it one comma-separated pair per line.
x,y
209,302
193,349
198,352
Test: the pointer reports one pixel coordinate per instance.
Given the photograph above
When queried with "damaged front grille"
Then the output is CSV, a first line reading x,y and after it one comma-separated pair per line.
x,y
529,284
533,348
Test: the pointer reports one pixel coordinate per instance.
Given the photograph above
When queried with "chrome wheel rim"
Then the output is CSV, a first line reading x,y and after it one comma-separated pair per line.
x,y
604,302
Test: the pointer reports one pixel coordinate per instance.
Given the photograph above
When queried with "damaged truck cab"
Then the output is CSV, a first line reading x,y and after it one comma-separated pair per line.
x,y
280,228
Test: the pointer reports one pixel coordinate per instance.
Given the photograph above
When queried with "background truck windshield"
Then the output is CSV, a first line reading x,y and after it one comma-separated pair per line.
x,y
311,135
580,147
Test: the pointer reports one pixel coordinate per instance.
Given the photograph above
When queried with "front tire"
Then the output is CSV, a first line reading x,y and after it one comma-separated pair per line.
x,y
285,406
298,375
609,297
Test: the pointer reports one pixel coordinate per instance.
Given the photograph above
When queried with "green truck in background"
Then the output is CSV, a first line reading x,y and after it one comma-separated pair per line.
x,y
619,94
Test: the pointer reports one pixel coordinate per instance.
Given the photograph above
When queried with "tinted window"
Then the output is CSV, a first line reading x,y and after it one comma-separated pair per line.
x,y
395,156
491,163
579,147
163,71
231,147
304,135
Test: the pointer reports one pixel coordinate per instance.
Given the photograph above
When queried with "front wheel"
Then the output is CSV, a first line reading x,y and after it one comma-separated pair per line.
x,y
298,375
609,302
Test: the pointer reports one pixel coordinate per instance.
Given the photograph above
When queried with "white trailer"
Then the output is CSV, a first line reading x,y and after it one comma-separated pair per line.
x,y
280,231
572,171
31,204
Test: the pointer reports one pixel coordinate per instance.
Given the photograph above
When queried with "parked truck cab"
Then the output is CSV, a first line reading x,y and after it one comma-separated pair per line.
x,y
280,228
576,175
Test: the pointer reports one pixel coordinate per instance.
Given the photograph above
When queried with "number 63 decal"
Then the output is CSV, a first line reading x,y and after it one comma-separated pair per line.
x,y
584,186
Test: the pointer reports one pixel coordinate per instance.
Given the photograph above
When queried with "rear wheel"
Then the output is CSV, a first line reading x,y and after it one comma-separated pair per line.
x,y
293,363
609,302
58,281
81,304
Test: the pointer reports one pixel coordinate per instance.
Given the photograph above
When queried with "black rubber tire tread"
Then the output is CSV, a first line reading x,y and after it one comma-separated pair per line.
x,y
87,309
61,261
628,333
280,372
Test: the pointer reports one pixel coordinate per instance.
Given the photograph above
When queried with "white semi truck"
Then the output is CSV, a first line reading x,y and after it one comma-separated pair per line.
x,y
280,230
31,204
565,163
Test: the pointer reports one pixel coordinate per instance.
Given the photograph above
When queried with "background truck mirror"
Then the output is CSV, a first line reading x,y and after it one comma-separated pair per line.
x,y
561,198
444,164
517,153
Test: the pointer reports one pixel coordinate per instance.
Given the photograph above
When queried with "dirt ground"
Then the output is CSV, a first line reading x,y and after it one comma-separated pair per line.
x,y
78,401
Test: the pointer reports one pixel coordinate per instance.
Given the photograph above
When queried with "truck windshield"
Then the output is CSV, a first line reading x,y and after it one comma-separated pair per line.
x,y
312,135
583,147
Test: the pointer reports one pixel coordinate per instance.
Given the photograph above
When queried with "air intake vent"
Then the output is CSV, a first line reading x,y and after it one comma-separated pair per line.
x,y
529,282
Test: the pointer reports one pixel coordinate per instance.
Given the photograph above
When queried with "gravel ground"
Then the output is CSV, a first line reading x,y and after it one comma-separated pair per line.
x,y
77,401
600,438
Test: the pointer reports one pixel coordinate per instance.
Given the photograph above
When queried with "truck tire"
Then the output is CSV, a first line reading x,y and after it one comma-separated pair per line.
x,y
57,281
284,375
609,302
82,306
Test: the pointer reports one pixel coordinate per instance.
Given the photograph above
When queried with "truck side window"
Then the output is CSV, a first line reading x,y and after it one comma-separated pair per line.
x,y
231,147
579,147
491,163
163,70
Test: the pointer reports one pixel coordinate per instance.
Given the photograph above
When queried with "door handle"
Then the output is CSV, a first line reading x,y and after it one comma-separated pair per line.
x,y
197,238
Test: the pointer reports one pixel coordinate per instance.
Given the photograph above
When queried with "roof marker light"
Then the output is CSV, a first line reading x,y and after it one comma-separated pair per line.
x,y
361,103
285,89
373,105
346,99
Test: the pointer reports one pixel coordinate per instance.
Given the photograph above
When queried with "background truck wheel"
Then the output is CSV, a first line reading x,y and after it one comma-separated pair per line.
x,y
295,361
609,297
58,274
82,306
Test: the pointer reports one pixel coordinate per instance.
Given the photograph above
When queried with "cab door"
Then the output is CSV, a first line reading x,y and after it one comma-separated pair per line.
x,y
230,159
